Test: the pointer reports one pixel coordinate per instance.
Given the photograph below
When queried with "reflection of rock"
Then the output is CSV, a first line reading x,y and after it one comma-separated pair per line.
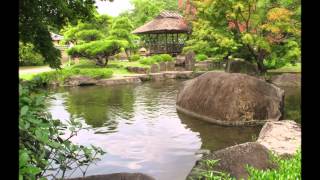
x,y
215,137
230,99
79,81
234,159
117,176
287,79
157,76
241,66
282,137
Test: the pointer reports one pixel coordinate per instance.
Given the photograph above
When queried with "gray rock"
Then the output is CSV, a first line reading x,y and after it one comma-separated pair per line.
x,y
190,61
117,176
80,81
287,79
241,66
282,137
154,68
157,76
118,81
204,65
139,70
233,160
230,99
180,60
162,66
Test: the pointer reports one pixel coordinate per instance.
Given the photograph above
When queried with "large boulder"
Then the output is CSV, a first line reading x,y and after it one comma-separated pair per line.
x,y
241,66
117,176
282,137
79,80
230,99
287,79
139,70
234,159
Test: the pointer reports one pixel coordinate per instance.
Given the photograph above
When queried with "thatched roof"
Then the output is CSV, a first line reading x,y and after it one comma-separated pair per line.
x,y
165,22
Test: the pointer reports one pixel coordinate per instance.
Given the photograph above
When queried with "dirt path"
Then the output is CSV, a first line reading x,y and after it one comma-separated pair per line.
x,y
34,69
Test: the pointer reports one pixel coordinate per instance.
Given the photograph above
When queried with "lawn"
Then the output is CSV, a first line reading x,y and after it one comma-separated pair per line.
x,y
288,68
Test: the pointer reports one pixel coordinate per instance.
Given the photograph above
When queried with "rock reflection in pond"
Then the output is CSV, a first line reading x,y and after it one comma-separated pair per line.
x,y
216,137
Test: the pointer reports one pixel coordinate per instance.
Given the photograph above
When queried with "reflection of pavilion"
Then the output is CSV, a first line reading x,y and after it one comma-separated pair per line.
x,y
166,33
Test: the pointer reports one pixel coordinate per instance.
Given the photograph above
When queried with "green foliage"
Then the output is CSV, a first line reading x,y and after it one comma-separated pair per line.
x,y
211,174
287,169
201,57
43,144
134,57
37,17
28,56
145,10
98,50
89,35
156,59
263,31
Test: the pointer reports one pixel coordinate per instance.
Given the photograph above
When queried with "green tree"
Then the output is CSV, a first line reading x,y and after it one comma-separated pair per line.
x,y
37,16
99,50
28,56
121,29
256,30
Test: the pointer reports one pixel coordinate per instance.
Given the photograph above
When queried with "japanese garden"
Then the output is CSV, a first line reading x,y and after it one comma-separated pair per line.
x,y
160,89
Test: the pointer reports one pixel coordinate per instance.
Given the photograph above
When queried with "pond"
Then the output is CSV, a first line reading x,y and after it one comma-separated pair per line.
x,y
139,128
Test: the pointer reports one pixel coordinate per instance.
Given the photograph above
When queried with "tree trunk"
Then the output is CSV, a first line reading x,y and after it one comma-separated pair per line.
x,y
106,61
261,67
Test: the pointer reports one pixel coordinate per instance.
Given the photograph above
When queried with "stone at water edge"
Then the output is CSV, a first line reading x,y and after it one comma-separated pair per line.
x,y
79,81
139,70
233,160
230,99
154,68
282,137
287,79
241,66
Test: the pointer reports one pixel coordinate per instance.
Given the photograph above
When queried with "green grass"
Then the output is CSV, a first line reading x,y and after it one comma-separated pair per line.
x,y
288,168
288,68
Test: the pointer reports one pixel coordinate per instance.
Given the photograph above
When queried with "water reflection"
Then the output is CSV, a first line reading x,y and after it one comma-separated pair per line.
x,y
139,128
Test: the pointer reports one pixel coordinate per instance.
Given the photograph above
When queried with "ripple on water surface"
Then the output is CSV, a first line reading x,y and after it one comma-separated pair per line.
x,y
139,128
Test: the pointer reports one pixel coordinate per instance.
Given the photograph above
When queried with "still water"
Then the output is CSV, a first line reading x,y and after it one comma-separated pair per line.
x,y
139,128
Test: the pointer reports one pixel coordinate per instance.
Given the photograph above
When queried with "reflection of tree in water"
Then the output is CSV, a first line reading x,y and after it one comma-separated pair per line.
x,y
101,106
292,106
216,137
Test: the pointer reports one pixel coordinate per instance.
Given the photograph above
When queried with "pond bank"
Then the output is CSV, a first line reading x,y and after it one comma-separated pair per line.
x,y
129,79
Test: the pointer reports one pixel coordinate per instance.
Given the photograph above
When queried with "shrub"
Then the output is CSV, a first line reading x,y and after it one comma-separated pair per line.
x,y
43,144
201,57
166,57
148,61
28,56
134,57
288,168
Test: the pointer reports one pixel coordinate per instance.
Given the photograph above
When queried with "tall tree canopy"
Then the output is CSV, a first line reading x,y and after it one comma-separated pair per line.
x,y
145,10
37,16
261,31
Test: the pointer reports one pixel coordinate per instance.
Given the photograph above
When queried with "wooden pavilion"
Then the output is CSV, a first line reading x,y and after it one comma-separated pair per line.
x,y
166,33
